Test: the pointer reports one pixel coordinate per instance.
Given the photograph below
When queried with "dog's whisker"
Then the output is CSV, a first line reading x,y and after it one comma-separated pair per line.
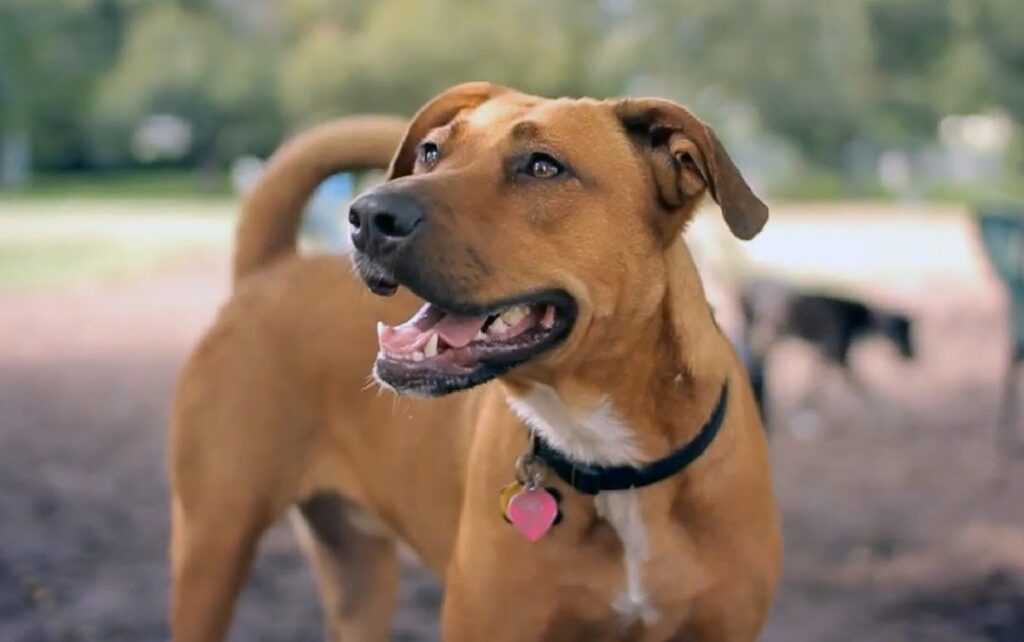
x,y
370,383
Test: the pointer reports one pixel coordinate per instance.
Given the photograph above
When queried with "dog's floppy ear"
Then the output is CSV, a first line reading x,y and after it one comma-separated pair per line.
x,y
441,110
687,157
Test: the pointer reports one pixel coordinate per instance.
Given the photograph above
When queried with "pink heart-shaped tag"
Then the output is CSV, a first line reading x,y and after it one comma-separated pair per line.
x,y
532,511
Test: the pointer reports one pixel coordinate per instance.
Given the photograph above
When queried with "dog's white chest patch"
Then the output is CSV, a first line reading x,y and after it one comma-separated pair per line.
x,y
598,437
621,509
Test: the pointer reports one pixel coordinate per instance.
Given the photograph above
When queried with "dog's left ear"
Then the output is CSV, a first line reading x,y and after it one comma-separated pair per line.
x,y
687,158
439,111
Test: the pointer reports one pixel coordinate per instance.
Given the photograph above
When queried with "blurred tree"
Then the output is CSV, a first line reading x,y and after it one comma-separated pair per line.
x,y
190,64
839,79
912,39
298,16
1001,29
51,53
394,54
805,67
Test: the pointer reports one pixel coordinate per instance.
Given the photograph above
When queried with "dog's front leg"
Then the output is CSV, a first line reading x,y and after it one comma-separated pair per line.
x,y
210,558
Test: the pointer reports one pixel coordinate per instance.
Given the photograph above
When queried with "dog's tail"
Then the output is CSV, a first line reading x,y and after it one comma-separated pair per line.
x,y
272,212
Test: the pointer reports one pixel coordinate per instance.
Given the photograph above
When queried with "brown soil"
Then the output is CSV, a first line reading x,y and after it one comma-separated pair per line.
x,y
903,523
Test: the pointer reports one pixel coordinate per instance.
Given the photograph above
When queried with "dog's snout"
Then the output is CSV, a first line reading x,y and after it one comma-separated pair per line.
x,y
379,219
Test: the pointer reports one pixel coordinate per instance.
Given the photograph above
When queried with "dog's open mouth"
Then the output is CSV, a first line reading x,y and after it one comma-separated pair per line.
x,y
439,351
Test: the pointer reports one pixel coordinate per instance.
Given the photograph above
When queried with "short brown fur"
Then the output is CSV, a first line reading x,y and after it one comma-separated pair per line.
x,y
274,409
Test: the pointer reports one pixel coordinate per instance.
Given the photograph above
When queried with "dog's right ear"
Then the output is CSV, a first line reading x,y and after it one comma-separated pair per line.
x,y
441,109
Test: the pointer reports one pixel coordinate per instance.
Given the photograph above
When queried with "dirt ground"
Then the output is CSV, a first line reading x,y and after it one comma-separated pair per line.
x,y
902,521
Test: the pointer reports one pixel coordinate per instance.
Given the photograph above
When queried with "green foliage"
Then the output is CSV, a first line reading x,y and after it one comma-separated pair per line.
x,y
911,39
51,54
827,76
189,63
131,184
1000,26
398,54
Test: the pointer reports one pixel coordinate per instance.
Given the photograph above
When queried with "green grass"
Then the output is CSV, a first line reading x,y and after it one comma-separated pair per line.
x,y
46,243
56,263
825,186
149,184
1005,191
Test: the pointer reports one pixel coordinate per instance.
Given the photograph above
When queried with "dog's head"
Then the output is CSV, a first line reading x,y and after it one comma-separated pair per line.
x,y
533,228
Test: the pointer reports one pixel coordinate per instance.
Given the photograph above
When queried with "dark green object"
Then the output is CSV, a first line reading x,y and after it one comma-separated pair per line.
x,y
1002,234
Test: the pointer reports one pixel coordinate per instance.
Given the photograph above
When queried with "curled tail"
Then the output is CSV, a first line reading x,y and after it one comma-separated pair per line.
x,y
272,212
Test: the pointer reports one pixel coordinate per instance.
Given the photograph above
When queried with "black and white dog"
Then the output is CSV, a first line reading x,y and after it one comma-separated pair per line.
x,y
832,324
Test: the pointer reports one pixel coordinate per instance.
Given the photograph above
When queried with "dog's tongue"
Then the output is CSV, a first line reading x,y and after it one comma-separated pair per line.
x,y
456,330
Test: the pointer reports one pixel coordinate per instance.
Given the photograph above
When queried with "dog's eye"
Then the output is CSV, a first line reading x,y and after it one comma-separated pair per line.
x,y
541,165
429,153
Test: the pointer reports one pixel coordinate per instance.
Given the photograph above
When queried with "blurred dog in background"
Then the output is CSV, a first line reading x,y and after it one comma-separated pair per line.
x,y
832,324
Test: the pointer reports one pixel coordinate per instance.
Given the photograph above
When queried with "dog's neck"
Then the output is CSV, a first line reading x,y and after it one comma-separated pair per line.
x,y
634,402
642,398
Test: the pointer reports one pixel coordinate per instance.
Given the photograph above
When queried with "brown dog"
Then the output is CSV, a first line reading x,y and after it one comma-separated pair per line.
x,y
545,235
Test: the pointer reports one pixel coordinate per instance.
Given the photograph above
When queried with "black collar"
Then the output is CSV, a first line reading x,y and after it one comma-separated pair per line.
x,y
590,480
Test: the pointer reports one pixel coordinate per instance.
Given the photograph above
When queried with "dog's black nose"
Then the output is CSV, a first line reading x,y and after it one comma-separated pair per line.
x,y
383,219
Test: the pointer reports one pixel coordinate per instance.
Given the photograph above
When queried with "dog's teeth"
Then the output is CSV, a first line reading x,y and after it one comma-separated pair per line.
x,y
498,327
417,356
514,315
480,336
430,350
548,320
